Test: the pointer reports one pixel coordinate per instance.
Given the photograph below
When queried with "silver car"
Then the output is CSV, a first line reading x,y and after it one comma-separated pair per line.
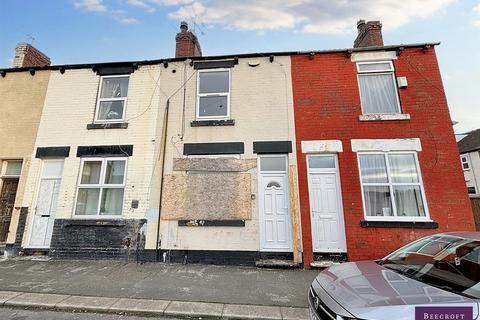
x,y
441,270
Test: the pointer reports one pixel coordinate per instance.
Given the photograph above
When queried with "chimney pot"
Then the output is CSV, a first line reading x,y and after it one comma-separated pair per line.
x,y
360,23
183,26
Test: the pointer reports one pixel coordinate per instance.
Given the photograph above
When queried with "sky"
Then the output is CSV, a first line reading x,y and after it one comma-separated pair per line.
x,y
84,31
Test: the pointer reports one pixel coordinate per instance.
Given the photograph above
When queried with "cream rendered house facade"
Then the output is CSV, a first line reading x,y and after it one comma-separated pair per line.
x,y
229,188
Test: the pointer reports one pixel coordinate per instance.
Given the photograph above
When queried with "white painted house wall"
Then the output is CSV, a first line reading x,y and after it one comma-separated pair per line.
x,y
69,106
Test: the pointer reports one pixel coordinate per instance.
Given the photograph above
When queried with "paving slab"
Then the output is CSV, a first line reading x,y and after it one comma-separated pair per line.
x,y
237,311
7,295
36,300
294,313
140,306
194,309
87,303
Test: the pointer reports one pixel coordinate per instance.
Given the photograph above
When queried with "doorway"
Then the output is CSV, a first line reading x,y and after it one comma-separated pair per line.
x,y
326,210
275,226
46,205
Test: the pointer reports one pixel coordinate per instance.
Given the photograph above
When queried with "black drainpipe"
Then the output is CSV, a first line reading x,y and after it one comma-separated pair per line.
x,y
164,148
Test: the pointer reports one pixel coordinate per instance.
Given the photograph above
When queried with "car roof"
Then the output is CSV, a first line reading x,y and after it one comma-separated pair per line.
x,y
471,235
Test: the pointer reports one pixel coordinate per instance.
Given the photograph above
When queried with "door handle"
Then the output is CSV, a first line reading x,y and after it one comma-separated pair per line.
x,y
45,215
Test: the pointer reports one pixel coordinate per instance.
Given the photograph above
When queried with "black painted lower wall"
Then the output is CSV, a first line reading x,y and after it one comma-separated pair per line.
x,y
97,239
14,248
122,239
214,257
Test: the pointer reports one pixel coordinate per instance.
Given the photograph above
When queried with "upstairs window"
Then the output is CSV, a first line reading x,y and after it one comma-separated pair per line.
x,y
213,94
112,99
465,163
378,88
392,186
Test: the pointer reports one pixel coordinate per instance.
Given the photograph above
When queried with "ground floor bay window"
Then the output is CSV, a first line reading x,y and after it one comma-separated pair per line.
x,y
392,186
101,187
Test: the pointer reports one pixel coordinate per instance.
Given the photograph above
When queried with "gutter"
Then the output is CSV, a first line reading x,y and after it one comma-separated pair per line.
x,y
136,64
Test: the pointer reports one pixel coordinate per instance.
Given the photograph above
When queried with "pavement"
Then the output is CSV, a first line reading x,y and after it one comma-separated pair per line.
x,y
173,290
35,314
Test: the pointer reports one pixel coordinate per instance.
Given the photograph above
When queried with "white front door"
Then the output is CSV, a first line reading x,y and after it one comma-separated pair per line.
x,y
46,206
326,212
275,226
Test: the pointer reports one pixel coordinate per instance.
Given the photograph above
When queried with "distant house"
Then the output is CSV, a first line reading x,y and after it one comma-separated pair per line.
x,y
469,149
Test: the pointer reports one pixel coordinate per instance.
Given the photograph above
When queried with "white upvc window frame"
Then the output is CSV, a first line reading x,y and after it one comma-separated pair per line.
x,y
213,94
272,155
390,184
390,71
101,185
322,170
467,162
4,168
99,100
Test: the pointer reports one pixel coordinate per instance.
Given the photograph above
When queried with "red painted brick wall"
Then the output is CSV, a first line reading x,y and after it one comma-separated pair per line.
x,y
327,106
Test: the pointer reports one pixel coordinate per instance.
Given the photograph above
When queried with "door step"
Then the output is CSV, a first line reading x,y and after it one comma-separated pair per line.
x,y
275,263
325,260
322,264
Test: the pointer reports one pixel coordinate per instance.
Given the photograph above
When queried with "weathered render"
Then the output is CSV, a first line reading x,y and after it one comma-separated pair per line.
x,y
261,110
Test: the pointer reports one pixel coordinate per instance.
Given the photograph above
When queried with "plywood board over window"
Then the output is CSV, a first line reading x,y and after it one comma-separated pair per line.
x,y
207,196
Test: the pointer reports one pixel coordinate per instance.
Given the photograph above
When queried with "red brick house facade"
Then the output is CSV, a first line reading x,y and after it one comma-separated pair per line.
x,y
329,121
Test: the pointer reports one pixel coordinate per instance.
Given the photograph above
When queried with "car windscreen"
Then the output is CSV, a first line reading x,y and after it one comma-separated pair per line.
x,y
447,262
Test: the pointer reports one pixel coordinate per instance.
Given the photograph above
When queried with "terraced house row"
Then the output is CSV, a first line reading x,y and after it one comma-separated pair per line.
x,y
268,158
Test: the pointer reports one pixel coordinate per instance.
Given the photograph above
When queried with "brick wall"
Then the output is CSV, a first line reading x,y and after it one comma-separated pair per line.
x,y
97,239
187,44
369,34
258,117
327,107
27,55
69,107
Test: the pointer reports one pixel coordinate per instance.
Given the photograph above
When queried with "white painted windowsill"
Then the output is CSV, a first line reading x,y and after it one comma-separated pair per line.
x,y
384,117
396,219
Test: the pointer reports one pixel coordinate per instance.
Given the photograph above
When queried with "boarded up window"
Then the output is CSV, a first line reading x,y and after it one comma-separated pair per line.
x,y
207,196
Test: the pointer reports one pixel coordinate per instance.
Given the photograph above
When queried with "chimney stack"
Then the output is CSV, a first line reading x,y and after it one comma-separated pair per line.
x,y
187,44
27,55
369,34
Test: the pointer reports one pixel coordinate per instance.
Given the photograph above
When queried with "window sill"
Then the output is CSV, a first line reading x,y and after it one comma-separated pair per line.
x,y
114,222
212,123
113,125
384,117
211,223
399,224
